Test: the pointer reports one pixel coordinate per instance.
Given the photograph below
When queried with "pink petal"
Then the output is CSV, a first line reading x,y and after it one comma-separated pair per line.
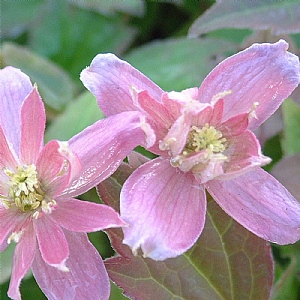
x,y
11,220
261,204
84,216
102,147
33,119
244,153
7,160
14,88
165,210
111,81
23,258
51,167
264,73
87,278
52,242
235,125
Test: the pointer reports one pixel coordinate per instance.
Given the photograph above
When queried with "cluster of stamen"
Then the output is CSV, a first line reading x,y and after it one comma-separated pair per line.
x,y
25,191
204,138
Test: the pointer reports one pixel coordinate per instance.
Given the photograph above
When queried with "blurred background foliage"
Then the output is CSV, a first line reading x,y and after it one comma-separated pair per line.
x,y
176,44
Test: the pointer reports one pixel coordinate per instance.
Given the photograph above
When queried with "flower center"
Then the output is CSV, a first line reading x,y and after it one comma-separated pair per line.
x,y
204,138
26,192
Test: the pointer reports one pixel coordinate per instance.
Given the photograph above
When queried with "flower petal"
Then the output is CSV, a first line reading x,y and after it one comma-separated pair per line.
x,y
265,73
52,242
165,210
33,122
51,167
261,204
8,160
111,80
14,88
84,216
11,220
102,147
87,278
23,258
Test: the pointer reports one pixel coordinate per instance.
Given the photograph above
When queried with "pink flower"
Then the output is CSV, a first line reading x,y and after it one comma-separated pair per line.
x,y
37,188
204,143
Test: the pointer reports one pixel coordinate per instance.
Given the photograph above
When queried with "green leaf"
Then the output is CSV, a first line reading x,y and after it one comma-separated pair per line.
x,y
278,16
6,263
177,64
75,36
78,115
135,8
55,86
291,130
227,262
17,15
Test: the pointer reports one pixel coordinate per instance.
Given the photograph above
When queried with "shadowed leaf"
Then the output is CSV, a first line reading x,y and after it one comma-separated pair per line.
x,y
278,16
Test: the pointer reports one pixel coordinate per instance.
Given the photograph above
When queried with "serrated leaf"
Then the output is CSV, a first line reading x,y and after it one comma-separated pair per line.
x,y
55,86
177,64
291,130
227,262
78,115
278,16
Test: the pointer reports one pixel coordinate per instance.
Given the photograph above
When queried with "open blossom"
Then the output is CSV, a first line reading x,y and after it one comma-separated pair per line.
x,y
37,188
204,143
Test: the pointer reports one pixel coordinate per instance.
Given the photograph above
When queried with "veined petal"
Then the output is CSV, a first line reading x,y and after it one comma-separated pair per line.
x,y
10,220
14,88
87,277
33,122
84,216
165,210
264,73
102,147
111,79
53,168
261,204
23,258
52,242
243,154
8,160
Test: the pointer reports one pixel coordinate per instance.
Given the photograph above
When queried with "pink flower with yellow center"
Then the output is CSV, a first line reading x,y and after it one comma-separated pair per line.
x,y
204,142
37,188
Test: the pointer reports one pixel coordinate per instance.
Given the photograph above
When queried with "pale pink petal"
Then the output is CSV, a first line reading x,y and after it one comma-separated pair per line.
x,y
111,81
261,204
11,220
14,88
53,168
243,154
263,73
165,210
235,125
102,147
176,138
87,278
22,260
33,121
52,242
84,216
8,160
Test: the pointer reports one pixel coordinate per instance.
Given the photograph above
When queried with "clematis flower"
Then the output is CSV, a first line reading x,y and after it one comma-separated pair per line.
x,y
37,188
204,143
